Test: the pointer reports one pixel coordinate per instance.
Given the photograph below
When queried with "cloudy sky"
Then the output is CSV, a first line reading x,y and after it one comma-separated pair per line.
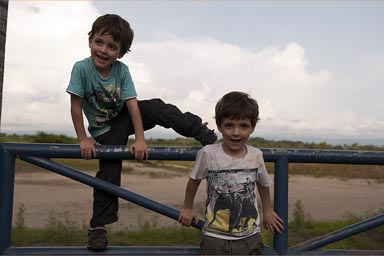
x,y
316,68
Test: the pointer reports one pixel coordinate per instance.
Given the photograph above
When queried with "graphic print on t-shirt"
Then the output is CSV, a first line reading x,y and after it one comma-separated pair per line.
x,y
105,99
231,201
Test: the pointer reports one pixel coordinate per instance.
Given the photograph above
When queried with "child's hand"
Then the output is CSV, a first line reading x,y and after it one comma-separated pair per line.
x,y
187,215
88,149
273,222
140,150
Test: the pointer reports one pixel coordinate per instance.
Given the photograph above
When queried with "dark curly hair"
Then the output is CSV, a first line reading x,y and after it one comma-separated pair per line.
x,y
237,105
117,27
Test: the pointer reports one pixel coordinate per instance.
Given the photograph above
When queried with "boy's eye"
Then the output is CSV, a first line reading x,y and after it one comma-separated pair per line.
x,y
113,47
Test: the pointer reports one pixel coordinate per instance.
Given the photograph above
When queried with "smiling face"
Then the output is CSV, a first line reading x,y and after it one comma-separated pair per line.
x,y
235,135
104,52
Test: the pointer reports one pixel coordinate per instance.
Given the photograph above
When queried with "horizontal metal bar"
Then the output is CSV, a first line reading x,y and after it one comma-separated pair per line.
x,y
114,250
102,151
189,153
345,252
325,156
110,250
107,187
338,235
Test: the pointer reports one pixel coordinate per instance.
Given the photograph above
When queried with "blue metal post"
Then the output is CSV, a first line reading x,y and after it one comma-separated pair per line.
x,y
280,241
7,178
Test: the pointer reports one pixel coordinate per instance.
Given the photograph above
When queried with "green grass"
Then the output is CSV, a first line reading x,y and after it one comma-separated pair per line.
x,y
61,231
300,230
23,237
369,240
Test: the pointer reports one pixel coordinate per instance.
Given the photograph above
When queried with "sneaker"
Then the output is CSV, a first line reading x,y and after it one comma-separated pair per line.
x,y
97,239
206,136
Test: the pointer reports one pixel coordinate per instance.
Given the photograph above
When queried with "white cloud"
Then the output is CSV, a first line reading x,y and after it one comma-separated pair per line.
x,y
200,71
45,39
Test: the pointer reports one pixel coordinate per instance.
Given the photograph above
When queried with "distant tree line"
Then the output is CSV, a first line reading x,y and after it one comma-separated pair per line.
x,y
262,143
43,137
39,137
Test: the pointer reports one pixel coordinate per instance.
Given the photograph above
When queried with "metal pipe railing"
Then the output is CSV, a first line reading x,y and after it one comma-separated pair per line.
x,y
189,153
106,187
338,235
39,154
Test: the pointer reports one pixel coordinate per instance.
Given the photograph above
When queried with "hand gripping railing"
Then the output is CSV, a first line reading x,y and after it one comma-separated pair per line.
x,y
40,154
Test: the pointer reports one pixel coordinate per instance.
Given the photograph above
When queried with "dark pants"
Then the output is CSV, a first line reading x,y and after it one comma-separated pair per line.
x,y
252,245
153,112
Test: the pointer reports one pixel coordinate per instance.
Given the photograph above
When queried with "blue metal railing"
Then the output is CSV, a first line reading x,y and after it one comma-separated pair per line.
x,y
40,154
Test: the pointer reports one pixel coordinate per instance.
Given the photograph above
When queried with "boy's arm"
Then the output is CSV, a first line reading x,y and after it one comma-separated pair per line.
x,y
271,221
139,147
87,145
187,214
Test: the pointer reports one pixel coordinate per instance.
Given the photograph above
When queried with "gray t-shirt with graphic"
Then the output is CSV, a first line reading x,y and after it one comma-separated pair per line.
x,y
231,205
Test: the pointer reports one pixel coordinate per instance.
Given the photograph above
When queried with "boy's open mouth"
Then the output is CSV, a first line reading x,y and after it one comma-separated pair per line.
x,y
101,57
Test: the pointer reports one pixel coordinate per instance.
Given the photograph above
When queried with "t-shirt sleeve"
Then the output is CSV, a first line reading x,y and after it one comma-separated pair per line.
x,y
200,166
263,177
76,83
128,88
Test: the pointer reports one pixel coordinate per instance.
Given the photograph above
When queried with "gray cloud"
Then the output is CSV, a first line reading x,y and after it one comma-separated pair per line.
x,y
297,101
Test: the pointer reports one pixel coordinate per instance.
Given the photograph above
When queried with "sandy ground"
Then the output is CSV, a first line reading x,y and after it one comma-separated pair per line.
x,y
45,195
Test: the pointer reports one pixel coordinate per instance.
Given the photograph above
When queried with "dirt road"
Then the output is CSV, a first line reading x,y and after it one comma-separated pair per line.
x,y
45,195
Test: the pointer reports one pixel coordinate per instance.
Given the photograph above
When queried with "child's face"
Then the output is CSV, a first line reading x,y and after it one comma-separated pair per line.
x,y
235,135
104,51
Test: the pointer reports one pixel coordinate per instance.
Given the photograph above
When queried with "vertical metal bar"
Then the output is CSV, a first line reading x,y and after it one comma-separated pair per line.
x,y
280,241
7,178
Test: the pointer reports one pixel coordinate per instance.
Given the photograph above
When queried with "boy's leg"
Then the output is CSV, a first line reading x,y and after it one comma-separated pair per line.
x,y
105,205
214,246
252,245
156,112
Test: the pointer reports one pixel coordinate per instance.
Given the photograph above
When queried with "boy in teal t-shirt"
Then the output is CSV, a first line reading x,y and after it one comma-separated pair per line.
x,y
102,88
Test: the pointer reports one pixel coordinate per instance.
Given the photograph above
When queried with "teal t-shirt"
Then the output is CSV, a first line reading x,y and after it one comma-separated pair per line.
x,y
103,98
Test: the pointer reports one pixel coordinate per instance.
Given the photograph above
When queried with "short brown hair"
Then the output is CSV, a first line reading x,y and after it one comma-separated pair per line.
x,y
237,105
117,27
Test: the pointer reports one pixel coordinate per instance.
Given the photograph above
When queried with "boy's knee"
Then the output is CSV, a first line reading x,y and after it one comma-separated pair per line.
x,y
151,106
156,101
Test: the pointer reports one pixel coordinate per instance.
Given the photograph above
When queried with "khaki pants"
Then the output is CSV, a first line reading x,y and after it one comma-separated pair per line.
x,y
252,245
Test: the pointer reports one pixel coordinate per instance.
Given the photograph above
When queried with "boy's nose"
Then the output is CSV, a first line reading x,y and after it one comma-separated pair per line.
x,y
236,131
103,48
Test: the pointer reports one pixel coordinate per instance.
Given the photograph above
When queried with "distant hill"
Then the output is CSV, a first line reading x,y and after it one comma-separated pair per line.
x,y
42,137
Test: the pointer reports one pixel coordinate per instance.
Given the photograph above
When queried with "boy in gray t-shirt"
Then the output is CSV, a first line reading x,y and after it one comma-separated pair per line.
x,y
232,170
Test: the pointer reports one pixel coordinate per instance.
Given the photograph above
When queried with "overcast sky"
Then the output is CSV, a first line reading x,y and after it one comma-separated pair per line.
x,y
316,68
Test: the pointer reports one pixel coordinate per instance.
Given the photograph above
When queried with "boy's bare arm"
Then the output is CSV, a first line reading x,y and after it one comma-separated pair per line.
x,y
187,214
271,220
139,147
87,145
